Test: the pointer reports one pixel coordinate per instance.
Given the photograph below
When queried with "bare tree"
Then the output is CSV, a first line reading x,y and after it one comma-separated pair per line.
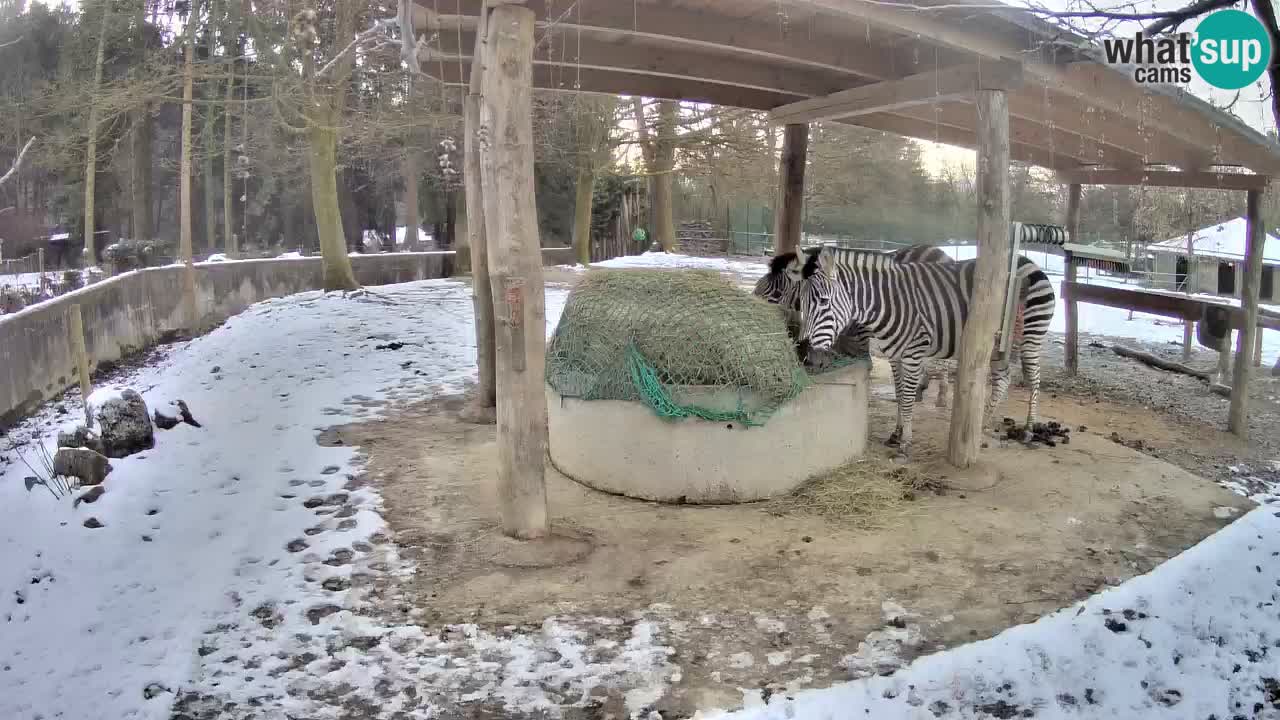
x,y
17,163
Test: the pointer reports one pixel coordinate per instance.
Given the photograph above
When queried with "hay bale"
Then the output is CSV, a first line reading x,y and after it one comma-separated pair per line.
x,y
642,335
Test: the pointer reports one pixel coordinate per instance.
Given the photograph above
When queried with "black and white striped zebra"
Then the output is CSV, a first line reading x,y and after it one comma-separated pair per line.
x,y
779,288
917,311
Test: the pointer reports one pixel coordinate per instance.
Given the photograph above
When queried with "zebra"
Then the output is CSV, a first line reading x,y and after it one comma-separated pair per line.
x,y
778,288
918,312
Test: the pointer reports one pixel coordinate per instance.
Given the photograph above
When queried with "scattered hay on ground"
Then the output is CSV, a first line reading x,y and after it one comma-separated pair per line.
x,y
870,493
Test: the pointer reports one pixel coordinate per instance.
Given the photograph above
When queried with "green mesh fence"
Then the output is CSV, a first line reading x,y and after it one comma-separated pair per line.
x,y
674,340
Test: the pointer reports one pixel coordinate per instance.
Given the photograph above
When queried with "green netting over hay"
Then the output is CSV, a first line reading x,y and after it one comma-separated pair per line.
x,y
674,340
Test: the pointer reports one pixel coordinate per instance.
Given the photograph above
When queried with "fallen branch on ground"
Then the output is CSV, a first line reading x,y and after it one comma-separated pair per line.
x,y
1159,363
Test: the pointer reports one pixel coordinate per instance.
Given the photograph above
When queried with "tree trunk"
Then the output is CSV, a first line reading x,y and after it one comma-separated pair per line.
x,y
664,230
184,183
788,223
324,197
91,150
210,91
1238,415
140,180
228,158
412,173
481,290
582,209
990,281
1072,349
515,259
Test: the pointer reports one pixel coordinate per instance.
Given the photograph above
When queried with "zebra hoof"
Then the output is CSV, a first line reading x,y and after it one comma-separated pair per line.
x,y
892,441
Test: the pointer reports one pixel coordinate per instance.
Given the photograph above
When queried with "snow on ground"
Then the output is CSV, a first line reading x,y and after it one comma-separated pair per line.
x,y
198,530
226,565
1196,638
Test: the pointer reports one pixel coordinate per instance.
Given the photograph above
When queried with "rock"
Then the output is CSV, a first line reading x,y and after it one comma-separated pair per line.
x,y
80,437
93,523
164,422
91,496
89,466
185,414
125,425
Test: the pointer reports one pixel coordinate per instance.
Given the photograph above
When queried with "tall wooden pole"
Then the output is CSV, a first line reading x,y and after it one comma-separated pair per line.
x,y
788,220
990,281
515,266
1074,193
1238,419
477,250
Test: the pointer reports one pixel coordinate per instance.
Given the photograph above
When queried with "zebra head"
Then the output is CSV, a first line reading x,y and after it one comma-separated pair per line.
x,y
824,303
781,284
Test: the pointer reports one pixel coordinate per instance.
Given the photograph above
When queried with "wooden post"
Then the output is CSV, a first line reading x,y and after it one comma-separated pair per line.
x,y
40,268
75,326
1191,278
1257,349
787,221
1072,351
990,281
481,290
1238,419
511,227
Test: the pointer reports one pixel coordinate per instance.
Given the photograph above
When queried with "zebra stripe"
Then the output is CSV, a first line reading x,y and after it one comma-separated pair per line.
x,y
917,311
780,288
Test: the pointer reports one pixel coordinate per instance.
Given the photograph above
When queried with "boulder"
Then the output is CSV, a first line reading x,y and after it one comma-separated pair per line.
x,y
80,437
90,467
125,425
178,413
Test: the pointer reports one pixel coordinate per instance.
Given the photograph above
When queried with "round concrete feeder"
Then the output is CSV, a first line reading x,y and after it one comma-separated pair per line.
x,y
625,448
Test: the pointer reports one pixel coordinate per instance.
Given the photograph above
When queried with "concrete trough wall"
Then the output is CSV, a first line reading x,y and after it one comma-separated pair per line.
x,y
624,448
134,310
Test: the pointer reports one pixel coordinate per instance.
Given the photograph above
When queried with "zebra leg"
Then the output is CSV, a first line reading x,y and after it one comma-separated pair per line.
x,y
895,437
1031,371
943,373
926,377
997,392
908,377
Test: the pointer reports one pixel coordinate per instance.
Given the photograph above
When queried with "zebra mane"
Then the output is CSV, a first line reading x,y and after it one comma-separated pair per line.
x,y
779,263
832,257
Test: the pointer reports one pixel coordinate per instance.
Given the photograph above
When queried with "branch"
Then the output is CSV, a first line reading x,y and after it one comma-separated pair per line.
x,y
408,42
379,27
14,41
1267,14
1176,18
17,164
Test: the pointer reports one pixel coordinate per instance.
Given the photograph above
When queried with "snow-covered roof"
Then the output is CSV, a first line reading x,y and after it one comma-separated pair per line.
x,y
1226,240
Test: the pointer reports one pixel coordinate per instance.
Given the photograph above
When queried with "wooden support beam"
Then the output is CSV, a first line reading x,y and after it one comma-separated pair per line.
x,y
699,28
957,83
667,60
486,397
960,137
1238,417
515,265
789,215
990,281
1177,307
1053,142
1072,351
1165,178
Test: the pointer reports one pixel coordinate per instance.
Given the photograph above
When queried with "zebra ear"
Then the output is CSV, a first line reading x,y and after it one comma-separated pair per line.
x,y
813,263
779,263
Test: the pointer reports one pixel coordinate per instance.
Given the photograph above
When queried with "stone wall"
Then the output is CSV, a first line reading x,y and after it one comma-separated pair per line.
x,y
135,310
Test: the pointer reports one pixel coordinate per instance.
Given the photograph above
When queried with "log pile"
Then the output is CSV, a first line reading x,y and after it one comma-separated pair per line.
x,y
698,238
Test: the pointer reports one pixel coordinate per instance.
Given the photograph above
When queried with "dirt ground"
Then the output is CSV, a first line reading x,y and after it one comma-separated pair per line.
x,y
755,600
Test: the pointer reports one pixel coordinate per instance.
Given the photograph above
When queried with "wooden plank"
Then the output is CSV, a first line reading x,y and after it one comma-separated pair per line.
x,y
990,281
957,83
1072,351
698,28
1165,178
960,137
515,264
1052,141
594,53
1238,415
791,166
1177,307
